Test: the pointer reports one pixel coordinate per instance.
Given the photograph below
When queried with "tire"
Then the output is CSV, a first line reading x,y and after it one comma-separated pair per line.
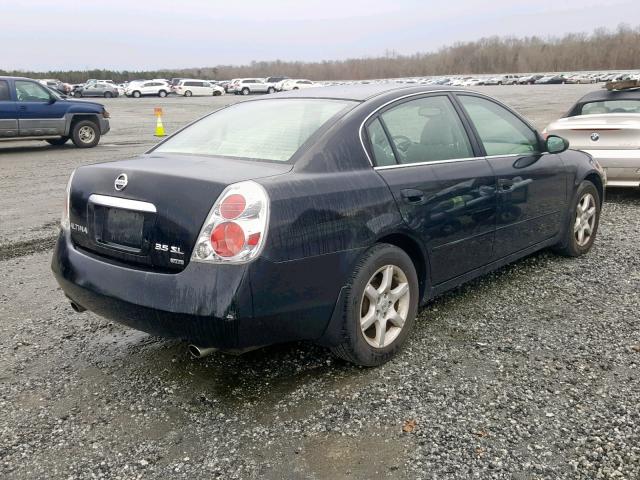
x,y
162,93
363,347
85,134
57,142
188,93
271,90
296,88
108,95
136,94
580,219
245,91
79,94
216,93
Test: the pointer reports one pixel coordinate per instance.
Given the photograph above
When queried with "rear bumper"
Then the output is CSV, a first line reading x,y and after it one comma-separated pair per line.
x,y
621,166
222,306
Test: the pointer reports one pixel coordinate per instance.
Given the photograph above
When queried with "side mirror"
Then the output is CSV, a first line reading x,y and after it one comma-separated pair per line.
x,y
556,144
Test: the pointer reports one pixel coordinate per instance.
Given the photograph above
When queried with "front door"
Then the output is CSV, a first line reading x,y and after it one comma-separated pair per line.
x,y
445,192
39,112
531,188
8,114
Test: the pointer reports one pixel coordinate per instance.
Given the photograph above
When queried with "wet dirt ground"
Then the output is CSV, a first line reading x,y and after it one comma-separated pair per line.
x,y
530,372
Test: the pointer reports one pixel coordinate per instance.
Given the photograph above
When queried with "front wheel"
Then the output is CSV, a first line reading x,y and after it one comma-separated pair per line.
x,y
584,219
381,306
188,93
85,134
245,91
162,94
271,90
136,94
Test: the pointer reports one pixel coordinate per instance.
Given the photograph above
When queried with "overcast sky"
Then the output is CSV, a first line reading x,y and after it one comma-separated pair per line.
x,y
142,34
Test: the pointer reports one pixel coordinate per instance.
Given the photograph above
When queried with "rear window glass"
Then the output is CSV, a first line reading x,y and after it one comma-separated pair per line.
x,y
611,106
265,129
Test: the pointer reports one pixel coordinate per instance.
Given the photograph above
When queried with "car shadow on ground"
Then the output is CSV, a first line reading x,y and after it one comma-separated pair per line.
x,y
32,148
622,195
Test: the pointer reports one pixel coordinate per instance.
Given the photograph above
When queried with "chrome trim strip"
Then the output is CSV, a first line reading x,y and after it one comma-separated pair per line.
x,y
124,203
431,162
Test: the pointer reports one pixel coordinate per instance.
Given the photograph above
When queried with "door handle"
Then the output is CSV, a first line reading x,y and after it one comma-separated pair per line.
x,y
413,196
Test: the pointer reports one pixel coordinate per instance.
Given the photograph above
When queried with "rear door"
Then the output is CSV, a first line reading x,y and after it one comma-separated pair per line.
x,y
531,184
445,191
8,113
39,114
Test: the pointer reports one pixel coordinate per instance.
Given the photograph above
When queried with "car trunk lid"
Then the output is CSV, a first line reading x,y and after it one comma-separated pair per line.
x,y
147,212
613,131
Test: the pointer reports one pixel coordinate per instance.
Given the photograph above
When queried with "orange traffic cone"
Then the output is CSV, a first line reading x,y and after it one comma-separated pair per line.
x,y
159,126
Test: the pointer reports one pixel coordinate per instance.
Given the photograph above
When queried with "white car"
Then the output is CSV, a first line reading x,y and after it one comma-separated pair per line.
x,y
191,87
245,86
297,85
606,125
158,88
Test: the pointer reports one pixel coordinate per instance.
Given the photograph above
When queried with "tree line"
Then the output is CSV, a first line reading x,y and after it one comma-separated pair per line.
x,y
602,49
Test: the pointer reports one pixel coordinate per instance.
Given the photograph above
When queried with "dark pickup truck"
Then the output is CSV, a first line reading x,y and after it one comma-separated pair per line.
x,y
30,111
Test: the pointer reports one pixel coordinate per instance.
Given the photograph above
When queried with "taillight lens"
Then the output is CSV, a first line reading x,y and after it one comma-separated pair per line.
x,y
236,227
64,221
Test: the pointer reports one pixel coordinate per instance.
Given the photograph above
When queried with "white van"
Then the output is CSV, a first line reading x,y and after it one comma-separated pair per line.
x,y
189,87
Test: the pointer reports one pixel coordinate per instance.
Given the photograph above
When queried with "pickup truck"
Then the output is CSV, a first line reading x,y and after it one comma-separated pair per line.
x,y
31,111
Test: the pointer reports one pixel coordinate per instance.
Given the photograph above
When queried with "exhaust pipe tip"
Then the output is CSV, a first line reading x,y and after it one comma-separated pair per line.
x,y
77,308
200,352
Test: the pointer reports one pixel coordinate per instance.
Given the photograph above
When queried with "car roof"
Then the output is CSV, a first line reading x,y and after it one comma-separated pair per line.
x,y
361,92
7,77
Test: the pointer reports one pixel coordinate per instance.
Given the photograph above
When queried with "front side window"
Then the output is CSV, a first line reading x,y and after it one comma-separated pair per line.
x,y
427,130
264,129
31,92
4,91
500,131
611,106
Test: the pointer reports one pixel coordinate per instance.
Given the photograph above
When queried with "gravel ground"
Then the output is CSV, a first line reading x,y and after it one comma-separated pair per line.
x,y
527,373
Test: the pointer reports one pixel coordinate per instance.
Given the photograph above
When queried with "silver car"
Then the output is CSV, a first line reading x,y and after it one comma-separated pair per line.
x,y
606,125
98,89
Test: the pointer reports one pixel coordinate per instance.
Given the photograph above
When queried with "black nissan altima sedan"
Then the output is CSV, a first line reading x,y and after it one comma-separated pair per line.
x,y
328,215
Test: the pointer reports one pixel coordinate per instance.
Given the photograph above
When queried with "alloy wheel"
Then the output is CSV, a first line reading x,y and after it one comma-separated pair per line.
x,y
384,306
585,219
86,134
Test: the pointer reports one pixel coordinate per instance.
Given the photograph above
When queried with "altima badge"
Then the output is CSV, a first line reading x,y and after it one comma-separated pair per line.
x,y
595,137
121,182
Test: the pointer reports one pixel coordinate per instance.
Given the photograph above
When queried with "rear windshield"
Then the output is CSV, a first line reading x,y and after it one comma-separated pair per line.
x,y
264,129
611,106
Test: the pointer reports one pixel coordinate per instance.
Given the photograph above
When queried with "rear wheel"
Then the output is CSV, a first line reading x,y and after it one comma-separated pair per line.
x,y
583,222
188,93
217,93
245,91
136,94
56,142
162,94
108,95
381,306
271,90
85,134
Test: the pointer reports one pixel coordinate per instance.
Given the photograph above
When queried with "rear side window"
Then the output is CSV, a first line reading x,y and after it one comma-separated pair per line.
x,y
264,129
4,91
382,150
501,132
427,130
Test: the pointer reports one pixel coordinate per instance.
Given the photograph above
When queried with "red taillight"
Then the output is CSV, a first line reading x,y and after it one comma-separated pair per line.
x,y
227,239
233,206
